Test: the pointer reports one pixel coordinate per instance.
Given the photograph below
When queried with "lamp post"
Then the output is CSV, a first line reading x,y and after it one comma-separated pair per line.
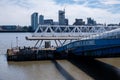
x,y
17,42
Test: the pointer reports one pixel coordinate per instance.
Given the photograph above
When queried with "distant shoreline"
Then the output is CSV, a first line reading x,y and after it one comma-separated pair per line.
x,y
16,31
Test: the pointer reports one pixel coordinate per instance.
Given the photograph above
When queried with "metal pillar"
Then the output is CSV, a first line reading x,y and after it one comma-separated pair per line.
x,y
40,44
36,43
56,43
60,42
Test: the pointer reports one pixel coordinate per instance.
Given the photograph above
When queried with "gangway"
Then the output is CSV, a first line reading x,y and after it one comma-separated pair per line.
x,y
63,34
106,44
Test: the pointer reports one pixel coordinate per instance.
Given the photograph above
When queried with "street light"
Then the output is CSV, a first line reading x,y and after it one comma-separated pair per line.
x,y
17,42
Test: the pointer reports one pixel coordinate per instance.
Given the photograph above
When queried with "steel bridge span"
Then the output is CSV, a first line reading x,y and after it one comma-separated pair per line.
x,y
83,40
62,34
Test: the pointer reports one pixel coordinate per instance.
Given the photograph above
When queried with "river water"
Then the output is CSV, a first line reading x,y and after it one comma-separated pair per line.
x,y
96,69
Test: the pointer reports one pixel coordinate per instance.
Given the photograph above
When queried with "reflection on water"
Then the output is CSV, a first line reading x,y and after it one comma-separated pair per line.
x,y
58,70
34,70
40,70
98,70
112,61
63,71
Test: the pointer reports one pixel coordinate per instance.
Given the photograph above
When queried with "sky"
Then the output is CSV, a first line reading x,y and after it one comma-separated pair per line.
x,y
18,12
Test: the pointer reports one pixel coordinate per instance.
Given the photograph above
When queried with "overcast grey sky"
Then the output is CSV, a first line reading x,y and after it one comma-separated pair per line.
x,y
18,12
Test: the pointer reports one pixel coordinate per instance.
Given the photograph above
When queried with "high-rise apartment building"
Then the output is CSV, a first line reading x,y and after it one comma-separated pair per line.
x,y
61,17
91,21
34,21
41,19
66,22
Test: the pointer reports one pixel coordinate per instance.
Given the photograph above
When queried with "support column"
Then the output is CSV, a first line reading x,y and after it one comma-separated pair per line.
x,y
36,43
60,42
64,42
40,43
56,43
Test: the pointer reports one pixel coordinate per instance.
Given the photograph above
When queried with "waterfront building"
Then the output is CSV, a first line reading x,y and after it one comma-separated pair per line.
x,y
91,21
48,22
61,16
55,23
79,22
41,19
34,21
9,28
66,22
113,25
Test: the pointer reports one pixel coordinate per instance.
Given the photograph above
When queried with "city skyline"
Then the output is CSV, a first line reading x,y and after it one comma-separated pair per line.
x,y
18,12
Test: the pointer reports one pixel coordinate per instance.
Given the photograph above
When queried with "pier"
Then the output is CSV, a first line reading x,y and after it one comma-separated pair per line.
x,y
80,41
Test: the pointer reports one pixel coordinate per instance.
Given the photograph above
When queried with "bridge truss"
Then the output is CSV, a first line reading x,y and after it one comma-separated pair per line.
x,y
62,34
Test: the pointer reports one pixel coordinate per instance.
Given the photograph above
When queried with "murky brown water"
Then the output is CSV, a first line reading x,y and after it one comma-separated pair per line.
x,y
54,70
40,70
112,61
49,70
